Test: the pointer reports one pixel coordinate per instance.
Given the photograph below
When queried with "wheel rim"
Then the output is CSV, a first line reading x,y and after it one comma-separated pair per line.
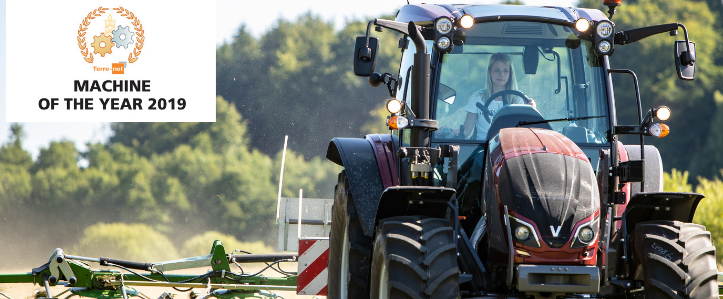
x,y
383,283
344,265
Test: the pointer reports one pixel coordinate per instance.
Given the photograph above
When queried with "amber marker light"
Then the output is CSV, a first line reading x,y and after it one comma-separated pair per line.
x,y
582,24
397,122
659,130
394,106
466,21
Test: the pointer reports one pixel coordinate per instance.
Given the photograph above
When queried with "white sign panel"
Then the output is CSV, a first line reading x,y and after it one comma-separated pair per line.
x,y
111,61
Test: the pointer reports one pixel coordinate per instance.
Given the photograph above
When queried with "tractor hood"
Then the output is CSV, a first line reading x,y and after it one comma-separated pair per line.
x,y
544,177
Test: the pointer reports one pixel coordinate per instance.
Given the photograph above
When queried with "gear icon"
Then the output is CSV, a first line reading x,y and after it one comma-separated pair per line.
x,y
102,44
122,37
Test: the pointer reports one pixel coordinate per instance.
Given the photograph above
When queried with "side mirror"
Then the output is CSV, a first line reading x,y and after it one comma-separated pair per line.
x,y
685,60
365,57
530,59
446,94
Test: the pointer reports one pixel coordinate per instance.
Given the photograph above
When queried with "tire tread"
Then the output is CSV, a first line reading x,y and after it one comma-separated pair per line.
x,y
692,276
419,265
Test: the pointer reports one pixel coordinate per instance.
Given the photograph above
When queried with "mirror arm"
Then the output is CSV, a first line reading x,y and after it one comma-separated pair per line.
x,y
634,35
408,29
393,25
369,27
688,58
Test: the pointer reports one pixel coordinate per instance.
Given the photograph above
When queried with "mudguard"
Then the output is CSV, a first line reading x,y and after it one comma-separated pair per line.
x,y
370,167
644,206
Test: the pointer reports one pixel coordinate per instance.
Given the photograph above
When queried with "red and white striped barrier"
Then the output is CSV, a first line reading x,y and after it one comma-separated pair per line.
x,y
313,257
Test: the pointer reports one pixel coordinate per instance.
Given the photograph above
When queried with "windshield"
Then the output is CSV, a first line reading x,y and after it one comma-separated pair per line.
x,y
545,73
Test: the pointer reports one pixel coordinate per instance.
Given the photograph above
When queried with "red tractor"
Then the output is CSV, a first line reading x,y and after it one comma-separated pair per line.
x,y
503,176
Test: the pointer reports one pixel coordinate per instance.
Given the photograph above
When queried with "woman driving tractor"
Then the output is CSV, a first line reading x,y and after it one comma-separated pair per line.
x,y
500,77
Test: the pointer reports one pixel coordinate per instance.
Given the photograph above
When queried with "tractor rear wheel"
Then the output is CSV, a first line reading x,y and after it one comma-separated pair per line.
x,y
349,249
677,260
414,257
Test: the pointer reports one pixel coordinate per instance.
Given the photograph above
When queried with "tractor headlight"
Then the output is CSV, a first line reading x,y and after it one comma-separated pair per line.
x,y
444,25
582,24
394,106
466,21
604,46
658,130
604,29
522,233
662,113
443,42
586,234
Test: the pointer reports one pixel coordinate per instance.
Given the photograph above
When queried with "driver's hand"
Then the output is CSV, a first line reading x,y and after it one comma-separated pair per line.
x,y
532,103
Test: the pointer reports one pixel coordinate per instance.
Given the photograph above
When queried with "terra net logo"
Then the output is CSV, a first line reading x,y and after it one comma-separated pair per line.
x,y
110,39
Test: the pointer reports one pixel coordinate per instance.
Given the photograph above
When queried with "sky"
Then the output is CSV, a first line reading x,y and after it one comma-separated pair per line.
x,y
258,16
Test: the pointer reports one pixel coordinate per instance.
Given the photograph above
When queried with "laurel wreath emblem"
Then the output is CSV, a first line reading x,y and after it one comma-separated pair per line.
x,y
140,38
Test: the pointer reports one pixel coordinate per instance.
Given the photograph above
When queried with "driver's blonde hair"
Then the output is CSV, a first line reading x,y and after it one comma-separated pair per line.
x,y
511,82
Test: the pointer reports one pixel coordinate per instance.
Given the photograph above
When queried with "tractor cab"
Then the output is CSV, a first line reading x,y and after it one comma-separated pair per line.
x,y
549,65
554,77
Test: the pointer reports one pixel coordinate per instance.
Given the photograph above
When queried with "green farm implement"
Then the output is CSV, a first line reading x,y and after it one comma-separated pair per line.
x,y
119,280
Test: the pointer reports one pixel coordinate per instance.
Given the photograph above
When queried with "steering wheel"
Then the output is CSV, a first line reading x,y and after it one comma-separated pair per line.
x,y
485,107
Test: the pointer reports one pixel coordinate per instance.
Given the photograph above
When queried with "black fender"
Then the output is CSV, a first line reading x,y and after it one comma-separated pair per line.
x,y
650,206
358,156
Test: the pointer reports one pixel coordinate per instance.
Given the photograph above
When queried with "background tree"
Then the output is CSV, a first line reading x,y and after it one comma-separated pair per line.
x,y
299,82
15,164
693,103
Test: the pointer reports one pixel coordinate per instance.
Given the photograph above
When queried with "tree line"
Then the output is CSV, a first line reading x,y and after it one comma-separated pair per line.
x,y
192,178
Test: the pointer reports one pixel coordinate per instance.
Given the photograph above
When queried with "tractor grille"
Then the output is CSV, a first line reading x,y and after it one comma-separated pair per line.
x,y
556,242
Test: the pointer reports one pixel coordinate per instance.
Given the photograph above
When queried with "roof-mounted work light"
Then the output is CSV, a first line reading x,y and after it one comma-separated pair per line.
x,y
582,25
603,38
466,21
443,34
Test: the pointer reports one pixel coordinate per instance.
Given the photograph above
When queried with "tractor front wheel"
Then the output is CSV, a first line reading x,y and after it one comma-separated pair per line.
x,y
349,248
414,257
676,260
